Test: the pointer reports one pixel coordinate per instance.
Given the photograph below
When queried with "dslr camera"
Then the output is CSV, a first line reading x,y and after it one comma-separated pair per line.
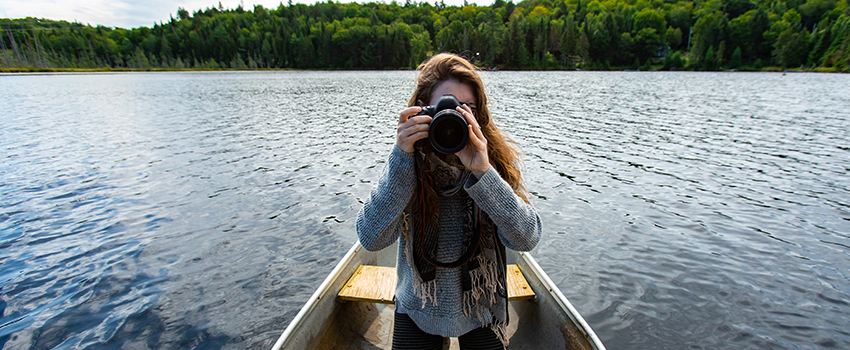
x,y
448,131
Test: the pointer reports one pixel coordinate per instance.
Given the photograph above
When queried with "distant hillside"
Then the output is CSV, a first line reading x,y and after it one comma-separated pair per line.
x,y
609,34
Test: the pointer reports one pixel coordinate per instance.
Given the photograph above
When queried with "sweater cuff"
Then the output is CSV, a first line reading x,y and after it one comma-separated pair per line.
x,y
400,158
490,191
489,179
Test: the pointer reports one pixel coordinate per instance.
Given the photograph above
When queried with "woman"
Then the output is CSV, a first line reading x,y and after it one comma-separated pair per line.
x,y
453,216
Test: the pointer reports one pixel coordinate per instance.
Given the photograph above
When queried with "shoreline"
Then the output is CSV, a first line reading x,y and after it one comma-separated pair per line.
x,y
16,70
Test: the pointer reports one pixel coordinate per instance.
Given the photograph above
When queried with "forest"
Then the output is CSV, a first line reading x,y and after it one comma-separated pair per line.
x,y
529,35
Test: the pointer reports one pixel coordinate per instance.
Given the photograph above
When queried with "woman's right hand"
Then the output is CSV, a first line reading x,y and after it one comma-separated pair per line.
x,y
411,128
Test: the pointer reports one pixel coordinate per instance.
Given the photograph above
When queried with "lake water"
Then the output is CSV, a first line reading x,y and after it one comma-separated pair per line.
x,y
201,210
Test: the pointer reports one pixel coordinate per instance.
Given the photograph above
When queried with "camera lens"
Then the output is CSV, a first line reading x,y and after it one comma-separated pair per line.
x,y
448,132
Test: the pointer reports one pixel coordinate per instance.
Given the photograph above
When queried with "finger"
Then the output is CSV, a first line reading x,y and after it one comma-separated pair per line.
x,y
468,108
418,135
416,122
470,119
467,113
478,131
412,129
412,125
475,138
407,112
411,136
419,119
479,136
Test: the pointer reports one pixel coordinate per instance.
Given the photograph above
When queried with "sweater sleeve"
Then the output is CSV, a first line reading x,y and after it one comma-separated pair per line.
x,y
379,221
518,223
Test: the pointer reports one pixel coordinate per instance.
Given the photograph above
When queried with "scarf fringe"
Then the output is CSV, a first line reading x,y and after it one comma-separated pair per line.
x,y
424,290
488,273
501,331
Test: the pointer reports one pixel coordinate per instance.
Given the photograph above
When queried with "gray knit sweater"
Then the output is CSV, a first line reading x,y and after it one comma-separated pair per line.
x,y
379,224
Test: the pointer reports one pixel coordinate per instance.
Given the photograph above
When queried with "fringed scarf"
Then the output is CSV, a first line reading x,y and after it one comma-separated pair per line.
x,y
482,263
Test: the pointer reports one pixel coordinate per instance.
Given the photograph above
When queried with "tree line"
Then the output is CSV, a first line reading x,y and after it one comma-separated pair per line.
x,y
531,34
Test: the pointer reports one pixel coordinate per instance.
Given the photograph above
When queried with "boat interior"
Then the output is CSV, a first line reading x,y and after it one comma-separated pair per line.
x,y
539,322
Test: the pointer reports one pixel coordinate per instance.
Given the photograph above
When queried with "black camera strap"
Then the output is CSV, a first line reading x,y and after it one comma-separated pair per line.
x,y
470,250
468,253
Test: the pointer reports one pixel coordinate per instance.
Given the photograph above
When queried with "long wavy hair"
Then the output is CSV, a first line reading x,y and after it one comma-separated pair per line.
x,y
503,152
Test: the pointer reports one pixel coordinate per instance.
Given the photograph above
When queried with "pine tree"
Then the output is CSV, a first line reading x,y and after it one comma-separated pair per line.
x,y
735,61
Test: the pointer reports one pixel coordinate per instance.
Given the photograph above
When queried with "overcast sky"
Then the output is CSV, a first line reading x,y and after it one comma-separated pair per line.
x,y
136,13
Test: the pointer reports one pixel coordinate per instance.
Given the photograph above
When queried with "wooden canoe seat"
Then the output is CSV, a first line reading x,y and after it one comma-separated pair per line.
x,y
377,284
518,288
370,283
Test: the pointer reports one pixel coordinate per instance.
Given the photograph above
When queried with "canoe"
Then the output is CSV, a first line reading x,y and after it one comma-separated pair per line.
x,y
548,321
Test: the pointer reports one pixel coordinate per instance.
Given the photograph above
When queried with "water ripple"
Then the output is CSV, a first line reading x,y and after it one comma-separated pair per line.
x,y
200,210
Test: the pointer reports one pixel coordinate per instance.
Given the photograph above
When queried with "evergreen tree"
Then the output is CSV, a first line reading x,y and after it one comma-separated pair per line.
x,y
709,62
735,61
532,34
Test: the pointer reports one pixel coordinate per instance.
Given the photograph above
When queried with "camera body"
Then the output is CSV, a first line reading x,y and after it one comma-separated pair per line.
x,y
448,131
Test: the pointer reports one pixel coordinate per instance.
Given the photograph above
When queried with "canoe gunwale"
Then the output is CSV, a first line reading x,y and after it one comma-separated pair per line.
x,y
314,317
560,299
320,292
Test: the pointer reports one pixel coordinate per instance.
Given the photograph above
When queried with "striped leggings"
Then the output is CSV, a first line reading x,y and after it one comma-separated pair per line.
x,y
408,336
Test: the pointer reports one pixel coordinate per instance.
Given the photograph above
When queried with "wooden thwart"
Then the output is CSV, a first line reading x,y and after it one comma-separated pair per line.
x,y
518,288
370,283
377,284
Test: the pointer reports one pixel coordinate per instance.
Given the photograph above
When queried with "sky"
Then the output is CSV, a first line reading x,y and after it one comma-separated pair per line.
x,y
136,13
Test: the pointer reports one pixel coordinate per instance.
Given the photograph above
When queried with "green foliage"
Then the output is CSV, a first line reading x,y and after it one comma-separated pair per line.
x,y
709,31
735,8
838,53
791,44
747,32
815,9
649,18
735,61
709,62
674,36
674,61
680,16
532,34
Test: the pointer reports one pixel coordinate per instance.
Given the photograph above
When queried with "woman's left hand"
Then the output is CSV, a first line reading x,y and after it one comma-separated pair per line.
x,y
474,156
